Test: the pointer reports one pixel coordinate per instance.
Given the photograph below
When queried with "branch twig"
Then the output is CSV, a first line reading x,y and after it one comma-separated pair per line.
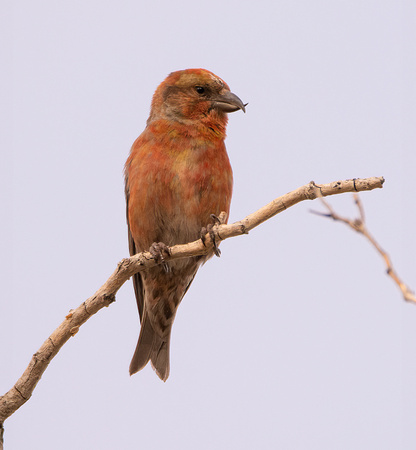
x,y
22,390
360,226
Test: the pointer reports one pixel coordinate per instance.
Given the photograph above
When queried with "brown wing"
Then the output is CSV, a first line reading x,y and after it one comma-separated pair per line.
x,y
137,279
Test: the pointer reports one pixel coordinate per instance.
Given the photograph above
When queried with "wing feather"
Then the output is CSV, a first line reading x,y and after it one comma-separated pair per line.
x,y
137,279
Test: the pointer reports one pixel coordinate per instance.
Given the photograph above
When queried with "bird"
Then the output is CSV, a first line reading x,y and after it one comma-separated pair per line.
x,y
177,177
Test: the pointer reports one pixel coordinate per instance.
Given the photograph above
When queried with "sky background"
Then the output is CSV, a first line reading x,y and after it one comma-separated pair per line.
x,y
295,338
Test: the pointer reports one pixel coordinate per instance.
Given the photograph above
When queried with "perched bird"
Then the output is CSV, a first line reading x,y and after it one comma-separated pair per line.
x,y
177,175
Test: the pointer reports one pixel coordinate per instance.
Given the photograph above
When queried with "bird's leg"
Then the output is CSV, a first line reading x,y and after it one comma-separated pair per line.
x,y
159,250
212,230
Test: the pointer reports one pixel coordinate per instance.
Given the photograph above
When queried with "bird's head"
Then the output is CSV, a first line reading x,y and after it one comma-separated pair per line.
x,y
194,95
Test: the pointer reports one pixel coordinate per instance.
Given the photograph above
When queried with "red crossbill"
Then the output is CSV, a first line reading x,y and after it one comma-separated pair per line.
x,y
177,175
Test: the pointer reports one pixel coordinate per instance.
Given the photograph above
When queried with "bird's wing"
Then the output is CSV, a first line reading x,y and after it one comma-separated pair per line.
x,y
137,279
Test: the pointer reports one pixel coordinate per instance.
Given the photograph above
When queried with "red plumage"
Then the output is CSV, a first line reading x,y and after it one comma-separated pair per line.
x,y
177,175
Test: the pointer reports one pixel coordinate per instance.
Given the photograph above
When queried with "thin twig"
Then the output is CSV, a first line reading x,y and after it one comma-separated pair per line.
x,y
23,389
359,225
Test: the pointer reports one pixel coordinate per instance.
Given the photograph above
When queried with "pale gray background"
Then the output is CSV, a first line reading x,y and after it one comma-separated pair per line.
x,y
295,338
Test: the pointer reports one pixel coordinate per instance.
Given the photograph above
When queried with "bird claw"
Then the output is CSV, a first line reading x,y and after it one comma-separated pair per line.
x,y
159,251
216,219
211,229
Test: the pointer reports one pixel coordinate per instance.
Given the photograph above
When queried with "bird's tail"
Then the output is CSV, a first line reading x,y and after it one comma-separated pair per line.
x,y
151,347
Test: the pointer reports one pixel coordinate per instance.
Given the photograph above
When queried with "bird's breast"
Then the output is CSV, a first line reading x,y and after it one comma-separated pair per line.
x,y
174,188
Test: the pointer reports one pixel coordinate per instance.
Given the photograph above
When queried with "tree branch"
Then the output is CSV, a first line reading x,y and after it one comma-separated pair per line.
x,y
360,226
24,387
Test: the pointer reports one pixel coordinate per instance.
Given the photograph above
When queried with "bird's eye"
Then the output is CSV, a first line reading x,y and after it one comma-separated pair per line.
x,y
200,89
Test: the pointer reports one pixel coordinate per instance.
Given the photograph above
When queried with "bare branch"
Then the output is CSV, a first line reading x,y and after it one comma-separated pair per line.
x,y
360,226
22,390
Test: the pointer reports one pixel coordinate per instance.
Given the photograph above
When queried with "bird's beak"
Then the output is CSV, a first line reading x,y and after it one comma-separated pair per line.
x,y
228,102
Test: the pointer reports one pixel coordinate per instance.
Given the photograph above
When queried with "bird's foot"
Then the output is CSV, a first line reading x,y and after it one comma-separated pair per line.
x,y
159,251
212,230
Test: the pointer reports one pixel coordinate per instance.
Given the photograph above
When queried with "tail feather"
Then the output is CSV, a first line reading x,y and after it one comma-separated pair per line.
x,y
159,358
151,347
